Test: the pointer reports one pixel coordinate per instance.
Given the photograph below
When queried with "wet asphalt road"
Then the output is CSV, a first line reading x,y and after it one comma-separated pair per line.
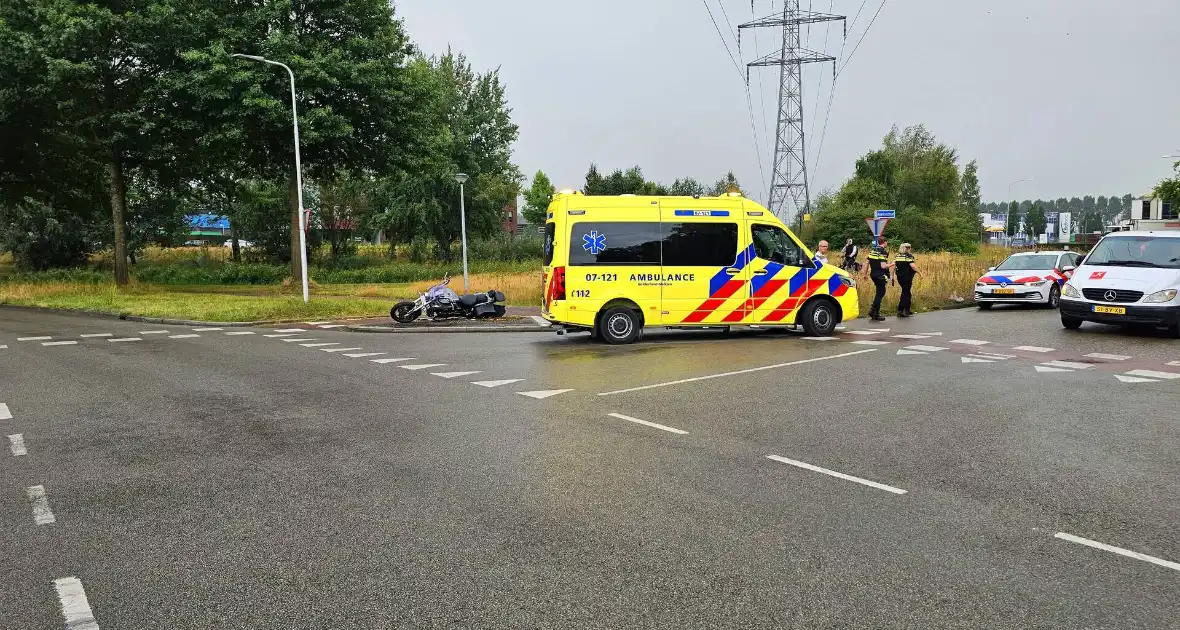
x,y
245,481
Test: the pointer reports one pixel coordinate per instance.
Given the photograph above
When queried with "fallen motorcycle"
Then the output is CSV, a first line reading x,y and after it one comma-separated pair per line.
x,y
441,302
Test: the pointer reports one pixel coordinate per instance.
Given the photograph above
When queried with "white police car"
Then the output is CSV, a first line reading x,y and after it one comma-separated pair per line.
x,y
1128,278
1026,278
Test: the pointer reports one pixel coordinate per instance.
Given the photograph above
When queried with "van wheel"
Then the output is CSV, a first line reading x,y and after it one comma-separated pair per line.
x,y
1174,331
1071,323
819,318
619,325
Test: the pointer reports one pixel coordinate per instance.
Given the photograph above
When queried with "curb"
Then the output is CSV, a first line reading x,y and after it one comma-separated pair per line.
x,y
449,329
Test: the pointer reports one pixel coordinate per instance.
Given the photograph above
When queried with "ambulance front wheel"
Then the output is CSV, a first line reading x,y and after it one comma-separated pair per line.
x,y
819,318
619,325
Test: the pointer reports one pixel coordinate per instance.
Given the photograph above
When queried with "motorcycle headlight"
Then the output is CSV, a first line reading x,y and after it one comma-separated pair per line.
x,y
1160,297
847,281
1070,291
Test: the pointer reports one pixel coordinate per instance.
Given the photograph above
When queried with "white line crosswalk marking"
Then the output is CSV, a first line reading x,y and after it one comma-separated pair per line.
x,y
544,393
490,384
1154,374
1033,349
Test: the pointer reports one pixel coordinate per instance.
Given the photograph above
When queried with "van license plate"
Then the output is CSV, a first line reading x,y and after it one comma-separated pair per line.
x,y
1004,291
1113,310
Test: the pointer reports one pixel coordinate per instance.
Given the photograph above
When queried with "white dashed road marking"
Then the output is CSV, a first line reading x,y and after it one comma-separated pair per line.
x,y
970,342
911,336
1153,374
281,335
92,335
59,343
1108,357
1134,379
903,351
17,444
33,338
871,484
1119,550
358,355
321,344
975,360
993,355
453,374
421,366
926,348
42,515
1033,349
490,384
1069,365
820,338
240,332
182,336
864,332
330,326
207,329
384,361
647,424
738,372
1174,363
294,330
74,606
3,347
544,393
1042,368
338,349
872,342
154,332
302,339
122,339
317,323
5,414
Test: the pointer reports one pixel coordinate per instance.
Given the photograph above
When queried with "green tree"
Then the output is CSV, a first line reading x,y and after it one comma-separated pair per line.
x,y
536,199
725,184
1012,224
1168,188
1036,221
686,187
969,193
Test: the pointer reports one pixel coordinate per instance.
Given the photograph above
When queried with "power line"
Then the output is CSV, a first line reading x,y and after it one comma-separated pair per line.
x,y
820,77
732,32
862,37
761,90
749,98
736,66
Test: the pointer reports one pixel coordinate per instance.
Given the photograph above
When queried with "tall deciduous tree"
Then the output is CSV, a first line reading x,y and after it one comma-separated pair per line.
x,y
537,197
969,193
1036,221
1012,224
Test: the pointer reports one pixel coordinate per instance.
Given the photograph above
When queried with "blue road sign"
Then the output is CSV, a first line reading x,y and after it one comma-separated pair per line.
x,y
885,214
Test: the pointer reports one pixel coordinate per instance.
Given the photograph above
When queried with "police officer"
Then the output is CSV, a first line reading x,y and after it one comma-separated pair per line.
x,y
905,269
879,267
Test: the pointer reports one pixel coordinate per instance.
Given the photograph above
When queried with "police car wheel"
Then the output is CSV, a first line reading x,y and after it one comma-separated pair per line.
x,y
818,319
983,306
1054,296
619,325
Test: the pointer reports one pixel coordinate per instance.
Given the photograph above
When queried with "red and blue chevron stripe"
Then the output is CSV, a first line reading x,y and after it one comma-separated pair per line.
x,y
722,286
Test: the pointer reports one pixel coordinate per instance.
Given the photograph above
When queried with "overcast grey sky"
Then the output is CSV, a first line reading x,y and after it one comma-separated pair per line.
x,y
1080,95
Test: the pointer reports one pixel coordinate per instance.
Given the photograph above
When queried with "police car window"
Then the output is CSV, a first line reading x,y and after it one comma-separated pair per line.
x,y
550,239
773,244
615,243
1028,263
700,244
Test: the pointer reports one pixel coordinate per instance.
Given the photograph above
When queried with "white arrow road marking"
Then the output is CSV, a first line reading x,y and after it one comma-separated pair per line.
x,y
42,515
1134,379
454,374
383,361
74,606
1033,349
92,335
926,348
910,352
122,339
1041,368
839,475
59,343
647,424
358,355
544,393
974,360
1119,550
338,349
5,414
971,342
507,381
1153,374
1108,357
17,444
320,345
1069,365
872,342
421,366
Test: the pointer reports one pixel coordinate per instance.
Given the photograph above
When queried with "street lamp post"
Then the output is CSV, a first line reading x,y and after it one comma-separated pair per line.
x,y
462,179
298,168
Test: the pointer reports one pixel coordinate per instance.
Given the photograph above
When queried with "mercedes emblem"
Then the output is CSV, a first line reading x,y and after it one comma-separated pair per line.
x,y
1110,296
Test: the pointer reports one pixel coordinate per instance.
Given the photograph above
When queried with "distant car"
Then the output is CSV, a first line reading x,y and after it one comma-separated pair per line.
x,y
241,244
1026,278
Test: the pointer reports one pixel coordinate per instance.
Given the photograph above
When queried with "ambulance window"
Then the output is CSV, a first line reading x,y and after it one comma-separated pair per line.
x,y
614,243
700,244
773,244
550,239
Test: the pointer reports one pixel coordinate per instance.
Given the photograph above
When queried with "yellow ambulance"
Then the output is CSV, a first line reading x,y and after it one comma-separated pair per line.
x,y
613,265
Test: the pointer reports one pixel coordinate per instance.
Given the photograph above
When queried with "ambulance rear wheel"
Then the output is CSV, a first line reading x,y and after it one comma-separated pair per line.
x,y
819,318
619,325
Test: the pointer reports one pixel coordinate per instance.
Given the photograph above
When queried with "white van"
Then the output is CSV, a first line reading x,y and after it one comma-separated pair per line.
x,y
1128,278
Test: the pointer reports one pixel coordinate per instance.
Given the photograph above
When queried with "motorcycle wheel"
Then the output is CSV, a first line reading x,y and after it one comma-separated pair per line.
x,y
403,312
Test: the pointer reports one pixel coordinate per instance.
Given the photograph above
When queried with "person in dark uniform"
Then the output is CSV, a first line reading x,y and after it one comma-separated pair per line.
x,y
905,269
879,267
